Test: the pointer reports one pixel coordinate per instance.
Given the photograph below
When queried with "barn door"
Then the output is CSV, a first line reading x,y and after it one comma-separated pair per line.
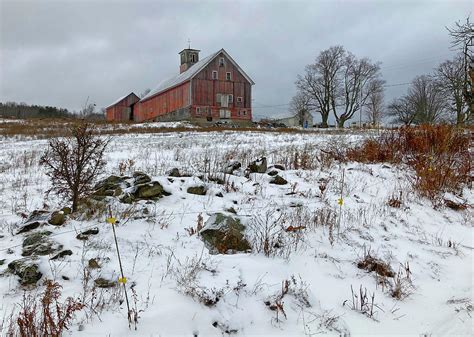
x,y
224,101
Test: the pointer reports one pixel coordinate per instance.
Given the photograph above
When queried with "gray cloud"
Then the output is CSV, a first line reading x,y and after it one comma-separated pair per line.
x,y
61,52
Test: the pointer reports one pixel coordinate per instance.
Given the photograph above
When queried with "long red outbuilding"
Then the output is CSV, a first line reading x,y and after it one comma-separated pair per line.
x,y
214,88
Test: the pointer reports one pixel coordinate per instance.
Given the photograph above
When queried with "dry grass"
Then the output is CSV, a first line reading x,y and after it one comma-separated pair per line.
x,y
439,155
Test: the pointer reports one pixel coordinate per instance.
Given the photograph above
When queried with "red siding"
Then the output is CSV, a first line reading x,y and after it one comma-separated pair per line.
x,y
168,101
121,110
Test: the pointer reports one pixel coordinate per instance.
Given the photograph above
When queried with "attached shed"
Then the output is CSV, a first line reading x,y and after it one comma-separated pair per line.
x,y
123,108
305,120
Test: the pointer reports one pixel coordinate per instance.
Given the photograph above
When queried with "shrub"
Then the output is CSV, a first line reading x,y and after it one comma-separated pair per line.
x,y
46,315
439,155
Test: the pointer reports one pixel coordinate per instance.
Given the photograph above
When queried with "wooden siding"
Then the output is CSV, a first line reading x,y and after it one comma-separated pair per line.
x,y
205,90
163,103
121,111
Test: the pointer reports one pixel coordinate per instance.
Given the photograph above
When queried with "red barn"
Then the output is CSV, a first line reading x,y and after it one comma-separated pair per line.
x,y
214,88
122,109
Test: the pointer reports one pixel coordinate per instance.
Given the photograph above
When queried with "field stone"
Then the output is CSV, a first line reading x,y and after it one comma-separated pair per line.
x,y
174,172
27,270
85,235
198,190
272,173
93,264
224,234
149,190
57,218
104,283
278,180
279,167
61,254
232,166
258,166
108,186
28,227
39,244
140,178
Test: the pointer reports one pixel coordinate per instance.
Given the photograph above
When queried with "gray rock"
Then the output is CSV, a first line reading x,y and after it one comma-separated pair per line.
x,y
149,191
232,166
258,166
224,234
140,178
279,167
27,270
198,190
57,218
108,186
277,180
66,210
85,235
272,173
29,227
61,254
93,264
104,283
39,244
174,172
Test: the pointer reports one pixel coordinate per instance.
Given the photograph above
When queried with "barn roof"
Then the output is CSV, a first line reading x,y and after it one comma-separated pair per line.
x,y
190,73
120,99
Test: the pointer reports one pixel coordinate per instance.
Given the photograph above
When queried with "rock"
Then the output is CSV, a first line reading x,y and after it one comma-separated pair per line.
x,y
108,186
217,180
174,172
66,210
235,165
38,215
272,173
198,190
93,264
224,234
27,270
457,206
2,262
57,218
219,194
61,254
39,244
29,227
279,167
127,198
140,178
104,283
231,210
149,191
258,166
85,235
277,180
65,278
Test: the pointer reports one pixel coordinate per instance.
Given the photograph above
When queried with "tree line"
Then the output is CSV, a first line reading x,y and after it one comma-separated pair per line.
x,y
340,84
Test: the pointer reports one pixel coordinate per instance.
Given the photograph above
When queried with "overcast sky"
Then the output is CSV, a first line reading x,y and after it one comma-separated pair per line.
x,y
61,52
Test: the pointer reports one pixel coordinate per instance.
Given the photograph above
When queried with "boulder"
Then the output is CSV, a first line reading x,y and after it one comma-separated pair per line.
x,y
174,172
258,166
279,167
108,186
85,235
61,254
224,234
29,227
39,244
66,210
198,190
149,191
140,178
57,218
278,180
27,270
272,173
93,264
104,283
232,166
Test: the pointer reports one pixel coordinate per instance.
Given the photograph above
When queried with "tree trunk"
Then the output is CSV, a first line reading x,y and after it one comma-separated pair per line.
x,y
340,123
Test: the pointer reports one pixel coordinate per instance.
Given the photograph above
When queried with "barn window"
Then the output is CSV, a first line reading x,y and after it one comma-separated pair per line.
x,y
214,74
231,98
238,113
193,58
228,76
221,61
239,99
198,110
218,98
244,112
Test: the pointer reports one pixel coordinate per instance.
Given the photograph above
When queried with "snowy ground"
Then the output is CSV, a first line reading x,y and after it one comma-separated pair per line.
x,y
163,261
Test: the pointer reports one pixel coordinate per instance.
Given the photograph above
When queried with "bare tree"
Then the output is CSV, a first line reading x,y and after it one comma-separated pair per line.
x,y
462,35
451,80
321,81
427,100
299,105
73,163
375,103
402,111
360,77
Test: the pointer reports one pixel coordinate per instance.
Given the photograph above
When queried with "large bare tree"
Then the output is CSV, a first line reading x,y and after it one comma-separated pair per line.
x,y
451,80
462,35
338,83
321,82
402,111
360,78
426,99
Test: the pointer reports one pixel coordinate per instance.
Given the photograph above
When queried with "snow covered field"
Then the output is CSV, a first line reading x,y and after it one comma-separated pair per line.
x,y
326,220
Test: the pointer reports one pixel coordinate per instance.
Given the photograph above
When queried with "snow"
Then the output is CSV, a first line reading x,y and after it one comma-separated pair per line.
x,y
164,262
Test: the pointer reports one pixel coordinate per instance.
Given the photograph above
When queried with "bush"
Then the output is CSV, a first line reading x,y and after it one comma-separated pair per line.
x,y
439,155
